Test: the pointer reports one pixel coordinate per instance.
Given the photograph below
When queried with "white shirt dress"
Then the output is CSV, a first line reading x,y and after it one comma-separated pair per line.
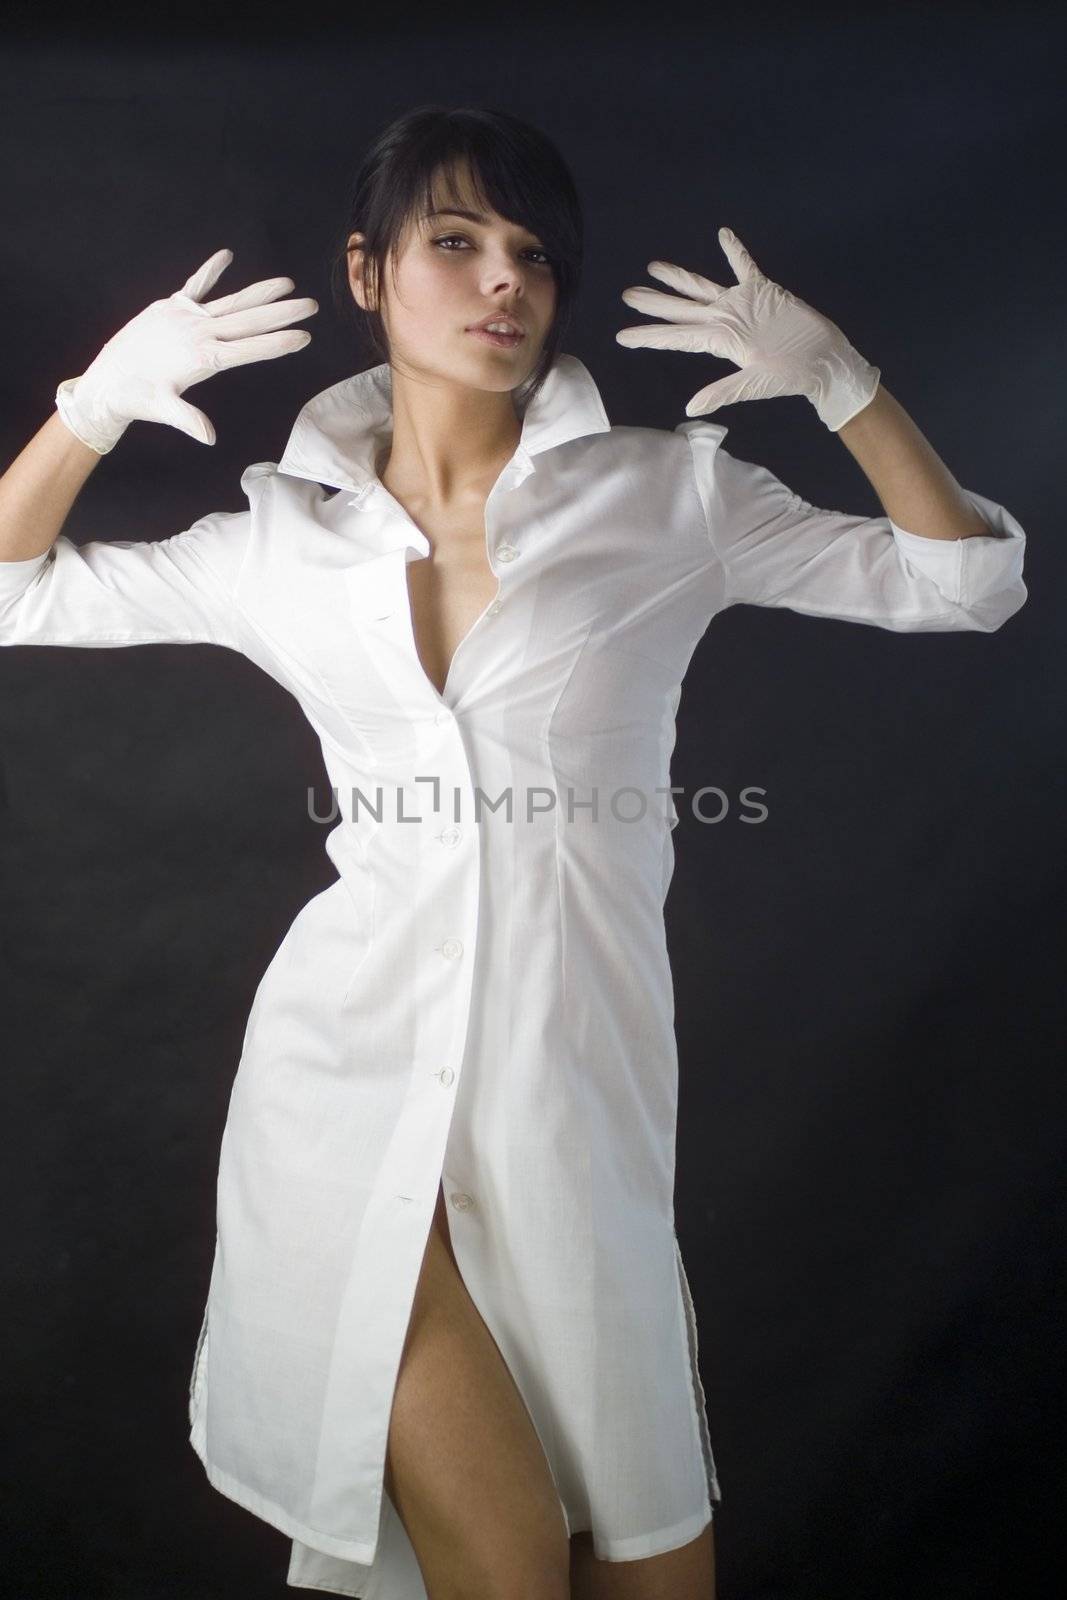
x,y
483,996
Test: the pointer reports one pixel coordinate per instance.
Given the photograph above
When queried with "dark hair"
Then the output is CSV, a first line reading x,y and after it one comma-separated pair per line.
x,y
514,168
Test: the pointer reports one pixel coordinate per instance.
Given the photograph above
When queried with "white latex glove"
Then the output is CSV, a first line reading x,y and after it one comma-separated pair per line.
x,y
780,343
176,342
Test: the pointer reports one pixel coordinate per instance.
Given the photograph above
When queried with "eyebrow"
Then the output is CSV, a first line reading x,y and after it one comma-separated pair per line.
x,y
470,216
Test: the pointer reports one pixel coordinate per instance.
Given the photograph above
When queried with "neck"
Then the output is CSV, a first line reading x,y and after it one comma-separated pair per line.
x,y
449,442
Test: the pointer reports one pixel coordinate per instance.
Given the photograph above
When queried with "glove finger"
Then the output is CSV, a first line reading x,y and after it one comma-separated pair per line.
x,y
744,266
690,283
263,319
261,347
654,303
703,340
256,294
205,277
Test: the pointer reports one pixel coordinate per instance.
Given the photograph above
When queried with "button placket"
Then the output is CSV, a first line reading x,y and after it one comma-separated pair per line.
x,y
451,949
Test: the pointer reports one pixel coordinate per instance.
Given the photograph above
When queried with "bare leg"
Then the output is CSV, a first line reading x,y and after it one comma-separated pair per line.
x,y
465,1468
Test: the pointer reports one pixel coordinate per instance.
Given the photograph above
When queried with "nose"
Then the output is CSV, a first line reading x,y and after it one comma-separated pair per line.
x,y
502,274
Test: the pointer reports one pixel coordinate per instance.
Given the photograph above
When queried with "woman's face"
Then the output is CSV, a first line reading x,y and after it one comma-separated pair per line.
x,y
452,272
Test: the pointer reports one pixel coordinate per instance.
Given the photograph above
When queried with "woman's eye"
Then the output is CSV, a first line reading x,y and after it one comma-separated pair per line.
x,y
457,238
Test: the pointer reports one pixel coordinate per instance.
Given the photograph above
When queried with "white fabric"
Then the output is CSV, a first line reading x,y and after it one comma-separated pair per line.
x,y
485,1002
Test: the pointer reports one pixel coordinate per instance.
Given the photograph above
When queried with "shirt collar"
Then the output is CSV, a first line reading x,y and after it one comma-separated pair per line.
x,y
339,433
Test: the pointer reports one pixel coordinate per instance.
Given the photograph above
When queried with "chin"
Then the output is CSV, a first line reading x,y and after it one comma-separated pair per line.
x,y
500,378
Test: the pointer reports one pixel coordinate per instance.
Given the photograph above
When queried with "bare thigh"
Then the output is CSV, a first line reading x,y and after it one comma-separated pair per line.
x,y
687,1573
465,1468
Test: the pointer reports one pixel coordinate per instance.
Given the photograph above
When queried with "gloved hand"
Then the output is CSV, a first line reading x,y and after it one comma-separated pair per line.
x,y
781,344
176,342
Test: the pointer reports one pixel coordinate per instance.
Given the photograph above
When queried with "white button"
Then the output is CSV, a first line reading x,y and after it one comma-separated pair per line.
x,y
495,607
443,715
449,836
452,948
462,1202
506,552
446,1076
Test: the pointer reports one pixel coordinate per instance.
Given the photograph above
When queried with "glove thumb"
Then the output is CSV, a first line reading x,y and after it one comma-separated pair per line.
x,y
187,419
738,386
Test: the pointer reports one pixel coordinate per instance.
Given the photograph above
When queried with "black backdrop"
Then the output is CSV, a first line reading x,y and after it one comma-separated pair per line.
x,y
868,984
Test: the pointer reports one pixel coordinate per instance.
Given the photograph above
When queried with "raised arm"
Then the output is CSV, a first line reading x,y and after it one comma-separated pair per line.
x,y
777,549
940,558
113,591
39,488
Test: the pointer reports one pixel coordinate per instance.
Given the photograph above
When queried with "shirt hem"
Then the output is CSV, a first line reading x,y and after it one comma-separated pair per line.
x,y
651,1544
268,1511
644,1545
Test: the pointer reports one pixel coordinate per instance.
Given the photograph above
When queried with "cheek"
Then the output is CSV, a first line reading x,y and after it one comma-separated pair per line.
x,y
431,287
546,303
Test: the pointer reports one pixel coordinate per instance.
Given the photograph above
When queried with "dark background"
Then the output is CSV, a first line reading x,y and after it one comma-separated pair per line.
x,y
869,984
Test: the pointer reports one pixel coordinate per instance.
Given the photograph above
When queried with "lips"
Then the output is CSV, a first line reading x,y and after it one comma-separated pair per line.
x,y
482,327
502,341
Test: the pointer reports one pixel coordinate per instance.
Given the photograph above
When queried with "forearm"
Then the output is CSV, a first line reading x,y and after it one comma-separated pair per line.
x,y
916,489
39,488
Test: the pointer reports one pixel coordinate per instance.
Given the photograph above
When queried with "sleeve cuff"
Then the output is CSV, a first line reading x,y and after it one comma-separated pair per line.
x,y
966,570
16,576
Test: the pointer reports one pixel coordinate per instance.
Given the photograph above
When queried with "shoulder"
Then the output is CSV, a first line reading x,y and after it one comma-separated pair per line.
x,y
626,442
664,461
274,494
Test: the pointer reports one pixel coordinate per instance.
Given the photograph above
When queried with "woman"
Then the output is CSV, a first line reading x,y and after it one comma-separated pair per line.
x,y
449,1346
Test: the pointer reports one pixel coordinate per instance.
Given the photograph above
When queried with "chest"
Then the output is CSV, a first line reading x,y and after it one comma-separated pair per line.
x,y
570,636
448,590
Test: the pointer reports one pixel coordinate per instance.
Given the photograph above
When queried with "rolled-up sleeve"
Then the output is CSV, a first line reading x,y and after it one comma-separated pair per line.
x,y
118,592
777,550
